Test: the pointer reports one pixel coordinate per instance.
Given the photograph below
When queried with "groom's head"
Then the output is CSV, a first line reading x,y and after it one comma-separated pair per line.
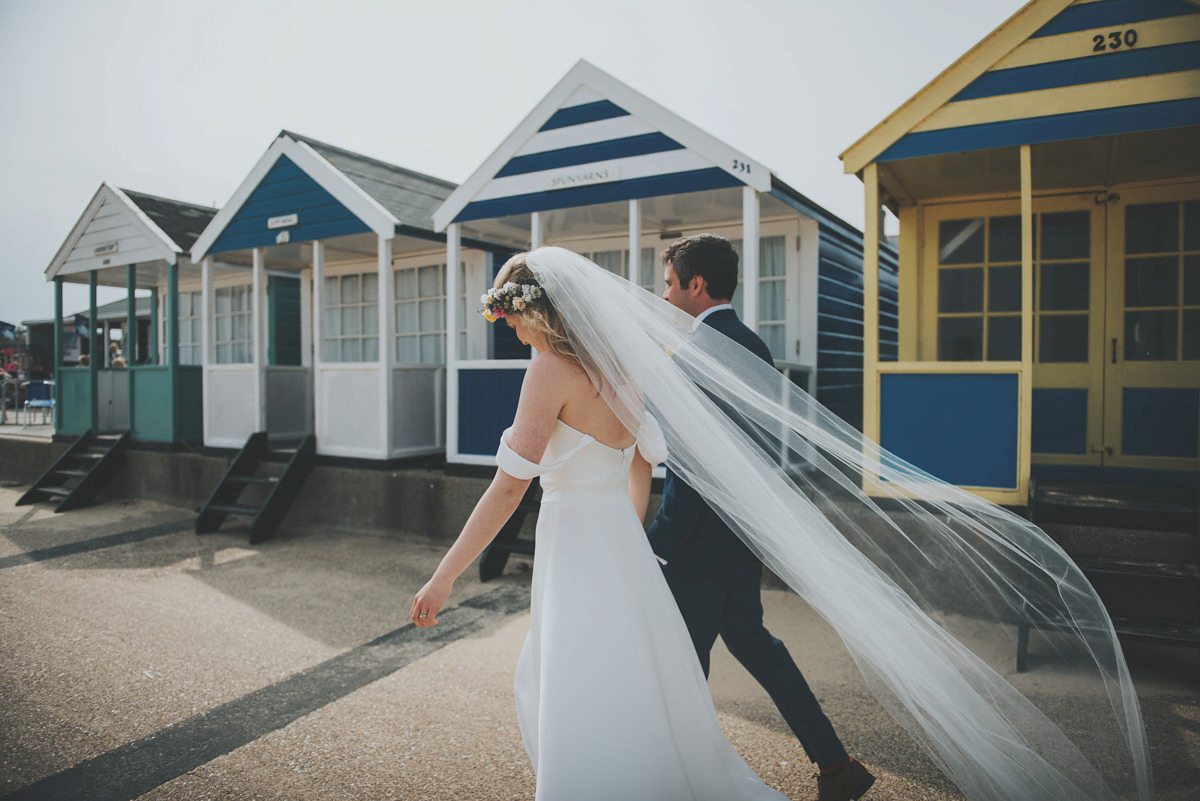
x,y
700,271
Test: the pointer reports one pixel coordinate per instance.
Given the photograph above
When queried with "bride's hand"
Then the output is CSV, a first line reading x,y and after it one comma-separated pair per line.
x,y
429,600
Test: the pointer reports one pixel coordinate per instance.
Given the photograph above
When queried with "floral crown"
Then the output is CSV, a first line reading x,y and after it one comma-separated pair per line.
x,y
510,298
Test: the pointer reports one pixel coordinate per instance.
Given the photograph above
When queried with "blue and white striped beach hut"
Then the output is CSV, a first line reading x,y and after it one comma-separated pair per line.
x,y
1048,190
319,309
603,170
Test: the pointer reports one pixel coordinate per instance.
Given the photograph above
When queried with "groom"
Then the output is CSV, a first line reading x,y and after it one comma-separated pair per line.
x,y
716,580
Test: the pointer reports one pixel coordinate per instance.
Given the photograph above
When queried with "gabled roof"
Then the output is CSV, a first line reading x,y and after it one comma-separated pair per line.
x,y
181,222
1051,72
120,228
326,191
593,139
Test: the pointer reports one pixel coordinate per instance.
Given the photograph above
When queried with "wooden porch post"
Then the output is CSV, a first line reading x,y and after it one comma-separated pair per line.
x,y
130,342
173,344
154,318
750,257
535,230
453,257
56,363
318,344
206,345
93,357
635,241
1024,423
386,311
871,234
258,350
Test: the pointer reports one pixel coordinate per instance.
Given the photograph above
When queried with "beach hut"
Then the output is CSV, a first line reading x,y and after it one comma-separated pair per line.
x,y
1048,189
603,170
320,299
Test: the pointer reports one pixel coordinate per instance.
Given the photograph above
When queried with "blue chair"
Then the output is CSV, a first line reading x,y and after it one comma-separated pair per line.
x,y
38,395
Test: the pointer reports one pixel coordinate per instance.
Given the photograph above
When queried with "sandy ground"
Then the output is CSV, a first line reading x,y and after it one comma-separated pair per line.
x,y
115,651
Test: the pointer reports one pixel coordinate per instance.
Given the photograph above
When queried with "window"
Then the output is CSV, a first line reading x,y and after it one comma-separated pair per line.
x,y
617,263
351,325
420,300
1162,282
979,289
191,315
772,292
232,319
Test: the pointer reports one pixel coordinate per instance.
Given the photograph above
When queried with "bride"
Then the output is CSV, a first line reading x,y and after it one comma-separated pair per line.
x,y
924,582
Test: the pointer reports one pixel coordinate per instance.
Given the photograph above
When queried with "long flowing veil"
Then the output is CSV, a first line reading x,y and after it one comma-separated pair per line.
x,y
925,583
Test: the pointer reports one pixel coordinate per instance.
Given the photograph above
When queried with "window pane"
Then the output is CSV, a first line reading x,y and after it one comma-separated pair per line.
x,y
241,327
773,335
960,241
351,351
1150,335
1064,287
960,339
332,293
406,318
1004,239
431,316
1004,289
224,329
1191,225
1152,281
1191,334
195,326
406,284
1152,228
185,304
370,288
333,352
407,351
1191,280
611,260
350,321
370,319
771,300
350,292
222,301
430,281
1004,339
223,354
1065,235
771,257
333,322
649,268
431,349
1062,338
960,290
370,349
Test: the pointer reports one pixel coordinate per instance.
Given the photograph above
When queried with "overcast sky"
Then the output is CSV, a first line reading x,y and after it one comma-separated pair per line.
x,y
180,99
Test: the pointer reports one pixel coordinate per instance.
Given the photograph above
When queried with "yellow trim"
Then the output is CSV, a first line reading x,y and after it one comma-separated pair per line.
x,y
1066,100
871,237
909,279
1078,44
976,61
1025,398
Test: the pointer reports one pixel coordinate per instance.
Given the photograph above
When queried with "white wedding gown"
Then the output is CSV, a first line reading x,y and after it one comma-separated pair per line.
x,y
610,697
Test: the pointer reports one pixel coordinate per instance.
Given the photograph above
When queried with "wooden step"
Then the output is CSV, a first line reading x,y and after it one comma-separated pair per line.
x,y
251,479
1129,568
235,509
1117,505
64,471
1158,631
60,492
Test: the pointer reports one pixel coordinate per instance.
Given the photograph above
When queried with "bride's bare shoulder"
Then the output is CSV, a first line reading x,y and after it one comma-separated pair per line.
x,y
552,367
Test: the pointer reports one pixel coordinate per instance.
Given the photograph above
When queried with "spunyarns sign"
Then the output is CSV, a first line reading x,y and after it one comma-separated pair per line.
x,y
568,179
283,221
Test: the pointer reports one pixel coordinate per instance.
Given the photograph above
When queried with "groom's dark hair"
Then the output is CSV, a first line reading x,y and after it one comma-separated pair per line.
x,y
709,256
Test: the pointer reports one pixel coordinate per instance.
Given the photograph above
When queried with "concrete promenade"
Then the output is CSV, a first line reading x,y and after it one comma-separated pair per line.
x,y
138,660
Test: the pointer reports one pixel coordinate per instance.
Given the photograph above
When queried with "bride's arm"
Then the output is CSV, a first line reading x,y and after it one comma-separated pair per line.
x,y
639,484
542,397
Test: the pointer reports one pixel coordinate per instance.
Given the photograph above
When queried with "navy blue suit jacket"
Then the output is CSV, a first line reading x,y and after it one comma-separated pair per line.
x,y
686,532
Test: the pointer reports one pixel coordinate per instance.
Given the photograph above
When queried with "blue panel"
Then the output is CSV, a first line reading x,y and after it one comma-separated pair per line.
x,y
1092,69
590,153
962,428
652,186
1059,421
1112,12
1161,422
588,112
1051,128
287,189
487,404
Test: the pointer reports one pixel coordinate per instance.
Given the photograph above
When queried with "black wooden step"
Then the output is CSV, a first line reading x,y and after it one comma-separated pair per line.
x,y
235,509
251,479
1118,505
61,492
1158,631
65,471
1134,569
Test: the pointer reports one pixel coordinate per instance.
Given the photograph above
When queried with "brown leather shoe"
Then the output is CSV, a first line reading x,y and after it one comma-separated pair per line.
x,y
848,784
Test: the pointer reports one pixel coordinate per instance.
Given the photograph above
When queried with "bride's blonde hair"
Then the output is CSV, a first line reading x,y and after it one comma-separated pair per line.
x,y
541,317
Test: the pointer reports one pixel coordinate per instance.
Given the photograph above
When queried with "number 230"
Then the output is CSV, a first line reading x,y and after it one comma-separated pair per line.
x,y
1115,40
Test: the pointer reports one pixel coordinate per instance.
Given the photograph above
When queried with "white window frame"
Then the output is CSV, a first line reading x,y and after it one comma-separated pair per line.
x,y
367,336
